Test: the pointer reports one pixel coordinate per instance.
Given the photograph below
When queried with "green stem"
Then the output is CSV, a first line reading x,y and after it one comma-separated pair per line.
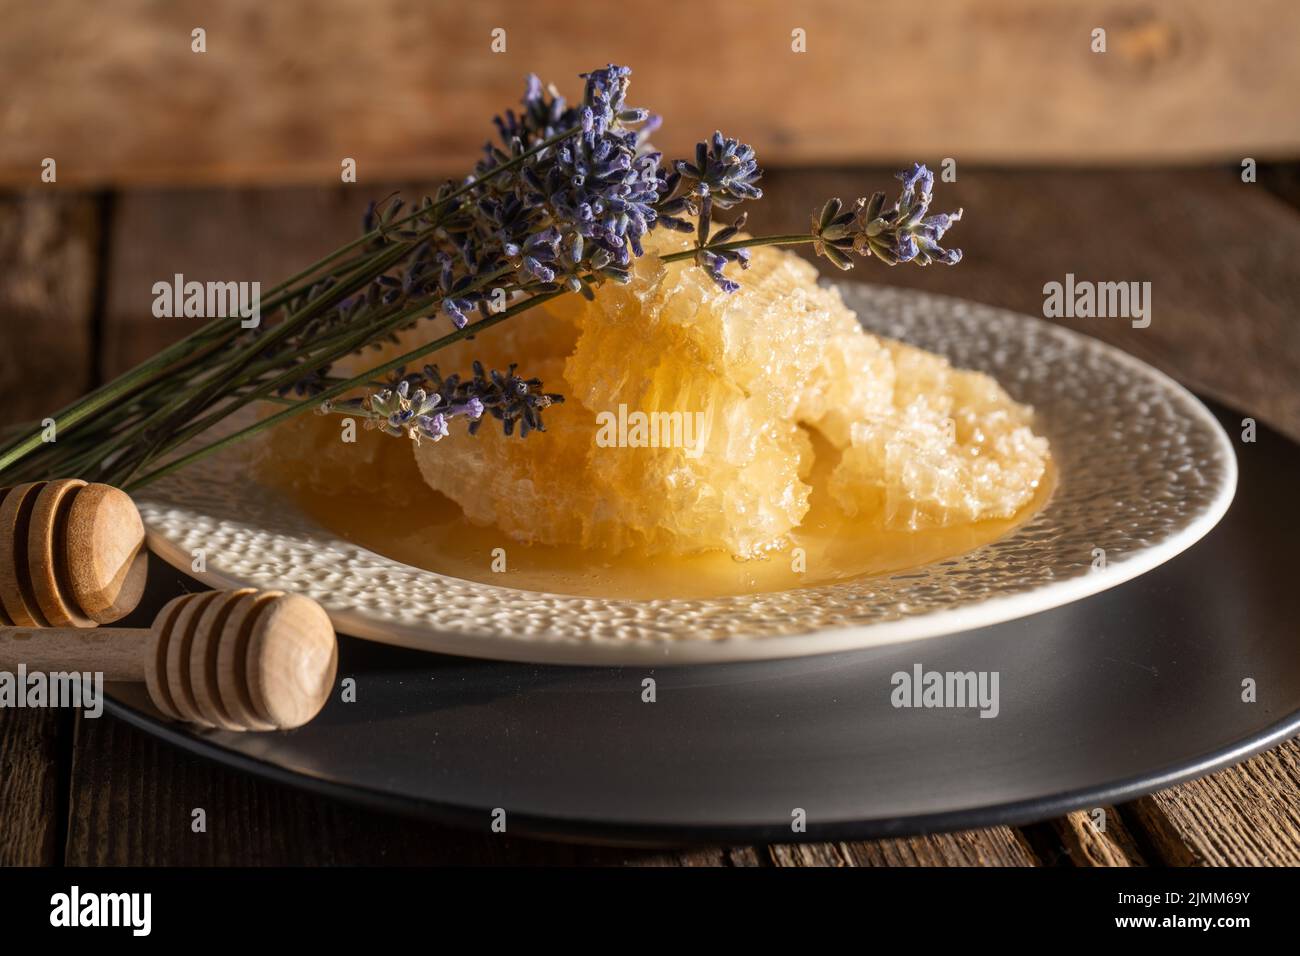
x,y
200,397
300,407
348,411
778,240
318,360
417,213
787,240
119,388
126,386
105,395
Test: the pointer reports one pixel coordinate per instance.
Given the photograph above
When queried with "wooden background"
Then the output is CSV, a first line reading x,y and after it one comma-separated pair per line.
x,y
1122,165
286,90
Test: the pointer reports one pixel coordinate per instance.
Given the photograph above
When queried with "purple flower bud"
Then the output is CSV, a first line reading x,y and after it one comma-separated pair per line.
x,y
541,272
453,310
532,89
472,409
919,178
434,427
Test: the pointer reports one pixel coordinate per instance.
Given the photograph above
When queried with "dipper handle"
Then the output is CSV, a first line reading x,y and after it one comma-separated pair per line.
x,y
117,651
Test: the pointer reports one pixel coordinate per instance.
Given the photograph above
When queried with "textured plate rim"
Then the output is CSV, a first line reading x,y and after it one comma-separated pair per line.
x,y
632,652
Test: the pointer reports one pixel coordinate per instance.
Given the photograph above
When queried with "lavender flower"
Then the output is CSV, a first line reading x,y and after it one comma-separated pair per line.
x,y
725,168
423,404
713,260
509,398
902,233
576,211
562,202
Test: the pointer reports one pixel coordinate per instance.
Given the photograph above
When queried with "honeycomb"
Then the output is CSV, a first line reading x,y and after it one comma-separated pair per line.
x,y
736,382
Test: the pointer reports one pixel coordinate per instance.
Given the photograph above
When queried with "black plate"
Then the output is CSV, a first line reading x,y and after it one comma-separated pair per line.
x,y
1123,693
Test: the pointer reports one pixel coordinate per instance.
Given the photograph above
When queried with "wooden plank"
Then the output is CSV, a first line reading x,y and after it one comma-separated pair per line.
x,y
213,235
999,846
33,746
1229,311
48,262
285,91
48,258
1088,842
1282,179
1022,229
1248,815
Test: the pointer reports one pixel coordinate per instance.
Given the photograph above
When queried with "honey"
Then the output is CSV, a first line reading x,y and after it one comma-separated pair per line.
x,y
825,548
709,444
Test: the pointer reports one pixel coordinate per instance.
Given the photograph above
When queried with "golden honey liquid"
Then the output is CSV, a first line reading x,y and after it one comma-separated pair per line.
x,y
437,536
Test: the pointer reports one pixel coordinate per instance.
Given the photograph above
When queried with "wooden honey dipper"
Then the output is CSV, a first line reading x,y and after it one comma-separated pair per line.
x,y
237,660
71,554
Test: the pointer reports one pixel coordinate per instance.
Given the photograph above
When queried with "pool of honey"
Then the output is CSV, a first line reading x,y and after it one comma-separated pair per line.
x,y
438,537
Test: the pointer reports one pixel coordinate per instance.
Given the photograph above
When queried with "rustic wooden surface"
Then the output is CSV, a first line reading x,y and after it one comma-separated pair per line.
x,y
49,261
1223,257
285,91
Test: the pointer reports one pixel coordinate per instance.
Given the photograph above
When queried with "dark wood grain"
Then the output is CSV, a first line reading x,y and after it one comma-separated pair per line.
x,y
213,235
34,745
1088,841
1248,815
1000,846
48,266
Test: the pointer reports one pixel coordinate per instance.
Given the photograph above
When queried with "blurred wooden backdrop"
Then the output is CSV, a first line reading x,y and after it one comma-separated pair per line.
x,y
113,92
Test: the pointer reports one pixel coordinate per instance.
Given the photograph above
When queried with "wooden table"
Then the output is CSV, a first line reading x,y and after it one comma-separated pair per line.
x,y
76,271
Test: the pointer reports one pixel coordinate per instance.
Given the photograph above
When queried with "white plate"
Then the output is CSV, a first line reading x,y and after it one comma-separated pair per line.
x,y
1143,471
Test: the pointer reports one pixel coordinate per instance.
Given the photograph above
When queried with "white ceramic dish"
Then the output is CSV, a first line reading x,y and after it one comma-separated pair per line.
x,y
1144,471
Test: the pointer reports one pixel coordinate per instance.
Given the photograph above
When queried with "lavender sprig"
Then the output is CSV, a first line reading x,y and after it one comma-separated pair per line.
x,y
423,404
901,233
560,204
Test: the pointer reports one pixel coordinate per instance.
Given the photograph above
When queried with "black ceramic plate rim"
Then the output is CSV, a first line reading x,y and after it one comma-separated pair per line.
x,y
622,833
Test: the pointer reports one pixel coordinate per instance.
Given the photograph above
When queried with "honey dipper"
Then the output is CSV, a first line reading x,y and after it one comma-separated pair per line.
x,y
71,554
237,660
